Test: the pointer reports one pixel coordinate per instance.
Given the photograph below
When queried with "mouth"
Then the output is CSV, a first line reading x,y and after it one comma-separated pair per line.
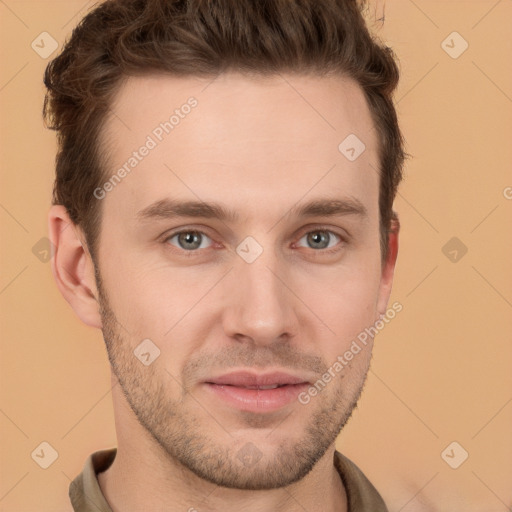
x,y
253,392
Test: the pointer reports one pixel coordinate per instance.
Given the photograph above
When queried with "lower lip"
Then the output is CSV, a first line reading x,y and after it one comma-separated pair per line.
x,y
257,400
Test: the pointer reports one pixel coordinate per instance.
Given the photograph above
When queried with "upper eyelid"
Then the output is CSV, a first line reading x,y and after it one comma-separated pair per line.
x,y
341,237
167,236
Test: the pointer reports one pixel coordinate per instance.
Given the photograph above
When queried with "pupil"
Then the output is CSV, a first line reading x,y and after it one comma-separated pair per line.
x,y
318,237
190,239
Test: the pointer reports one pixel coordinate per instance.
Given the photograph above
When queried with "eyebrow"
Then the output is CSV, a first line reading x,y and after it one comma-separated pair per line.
x,y
169,208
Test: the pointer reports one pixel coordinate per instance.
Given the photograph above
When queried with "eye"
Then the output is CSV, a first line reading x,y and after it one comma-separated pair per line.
x,y
321,239
189,240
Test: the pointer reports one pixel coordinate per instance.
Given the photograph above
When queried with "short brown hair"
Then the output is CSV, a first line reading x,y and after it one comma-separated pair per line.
x,y
121,38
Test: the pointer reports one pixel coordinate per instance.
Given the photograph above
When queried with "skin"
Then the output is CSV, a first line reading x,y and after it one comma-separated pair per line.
x,y
260,149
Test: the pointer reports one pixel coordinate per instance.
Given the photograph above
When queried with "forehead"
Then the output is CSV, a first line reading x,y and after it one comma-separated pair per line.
x,y
248,140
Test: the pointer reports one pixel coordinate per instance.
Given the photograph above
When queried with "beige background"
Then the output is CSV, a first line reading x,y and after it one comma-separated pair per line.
x,y
441,370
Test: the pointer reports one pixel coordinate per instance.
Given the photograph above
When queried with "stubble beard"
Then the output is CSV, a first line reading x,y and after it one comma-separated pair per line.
x,y
232,462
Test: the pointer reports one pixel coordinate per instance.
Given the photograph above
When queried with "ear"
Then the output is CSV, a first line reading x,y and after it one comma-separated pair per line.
x,y
72,266
388,267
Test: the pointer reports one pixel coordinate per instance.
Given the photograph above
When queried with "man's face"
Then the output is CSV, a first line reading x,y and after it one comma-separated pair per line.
x,y
231,314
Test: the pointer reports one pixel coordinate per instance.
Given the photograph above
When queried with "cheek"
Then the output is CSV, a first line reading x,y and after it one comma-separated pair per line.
x,y
146,303
170,306
345,299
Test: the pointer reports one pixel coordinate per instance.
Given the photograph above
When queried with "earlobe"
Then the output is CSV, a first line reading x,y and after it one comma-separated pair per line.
x,y
388,268
72,266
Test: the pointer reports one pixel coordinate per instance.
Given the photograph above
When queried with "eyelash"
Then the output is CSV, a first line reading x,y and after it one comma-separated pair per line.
x,y
195,252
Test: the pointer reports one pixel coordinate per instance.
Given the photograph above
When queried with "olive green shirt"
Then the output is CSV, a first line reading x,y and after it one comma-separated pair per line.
x,y
86,496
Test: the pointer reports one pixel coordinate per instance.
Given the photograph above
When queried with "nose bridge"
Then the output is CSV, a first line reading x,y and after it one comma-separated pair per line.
x,y
260,306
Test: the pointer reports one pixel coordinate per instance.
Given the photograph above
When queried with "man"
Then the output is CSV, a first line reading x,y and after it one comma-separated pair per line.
x,y
223,213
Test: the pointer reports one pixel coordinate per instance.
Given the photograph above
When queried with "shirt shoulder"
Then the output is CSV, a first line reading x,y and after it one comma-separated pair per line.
x,y
85,491
362,496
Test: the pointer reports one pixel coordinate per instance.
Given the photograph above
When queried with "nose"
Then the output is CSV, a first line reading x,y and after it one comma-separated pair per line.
x,y
260,307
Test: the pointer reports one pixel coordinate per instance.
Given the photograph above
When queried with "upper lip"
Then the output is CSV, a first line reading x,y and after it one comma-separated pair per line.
x,y
245,379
